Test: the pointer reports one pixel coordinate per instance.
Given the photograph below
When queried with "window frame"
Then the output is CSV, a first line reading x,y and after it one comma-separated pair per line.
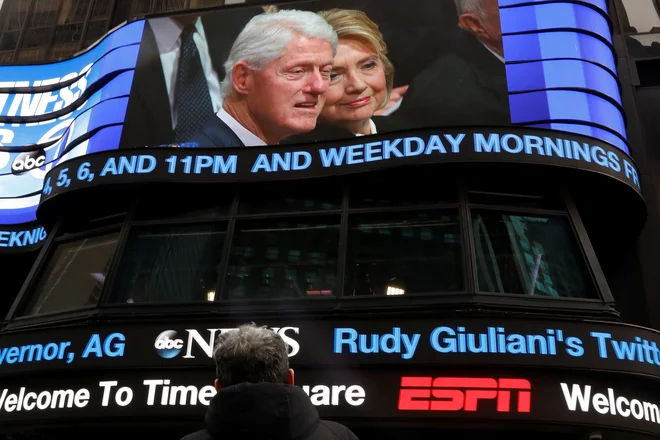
x,y
453,207
469,297
222,291
106,298
540,214
52,243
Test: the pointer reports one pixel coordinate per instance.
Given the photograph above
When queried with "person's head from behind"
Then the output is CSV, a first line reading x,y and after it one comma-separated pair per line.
x,y
362,77
482,19
278,71
251,354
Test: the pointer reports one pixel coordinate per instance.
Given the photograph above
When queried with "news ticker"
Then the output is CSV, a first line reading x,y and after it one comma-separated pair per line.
x,y
488,394
322,159
591,346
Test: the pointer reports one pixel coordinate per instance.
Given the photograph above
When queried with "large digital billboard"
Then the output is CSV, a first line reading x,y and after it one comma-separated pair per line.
x,y
514,371
313,71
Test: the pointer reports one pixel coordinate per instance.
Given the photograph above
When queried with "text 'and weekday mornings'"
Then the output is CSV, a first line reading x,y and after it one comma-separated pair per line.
x,y
346,156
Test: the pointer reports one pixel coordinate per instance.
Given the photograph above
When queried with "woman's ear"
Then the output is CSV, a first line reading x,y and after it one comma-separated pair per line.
x,y
291,377
217,385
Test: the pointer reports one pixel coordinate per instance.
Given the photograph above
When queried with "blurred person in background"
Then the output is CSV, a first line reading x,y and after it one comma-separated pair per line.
x,y
468,84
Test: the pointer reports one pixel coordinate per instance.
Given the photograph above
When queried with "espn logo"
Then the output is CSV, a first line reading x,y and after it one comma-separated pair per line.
x,y
462,393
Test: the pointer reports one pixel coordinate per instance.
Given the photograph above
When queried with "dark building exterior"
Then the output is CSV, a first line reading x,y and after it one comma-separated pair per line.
x,y
448,274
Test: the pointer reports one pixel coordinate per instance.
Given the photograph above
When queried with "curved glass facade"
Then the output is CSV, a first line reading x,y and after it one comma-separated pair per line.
x,y
319,242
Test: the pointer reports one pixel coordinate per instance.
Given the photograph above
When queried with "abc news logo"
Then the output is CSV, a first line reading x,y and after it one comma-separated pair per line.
x,y
168,344
463,394
28,161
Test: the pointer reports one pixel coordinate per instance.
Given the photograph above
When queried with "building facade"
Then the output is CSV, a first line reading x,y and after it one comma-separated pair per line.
x,y
481,262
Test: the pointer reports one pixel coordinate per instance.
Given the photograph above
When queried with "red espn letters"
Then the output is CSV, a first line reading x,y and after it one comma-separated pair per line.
x,y
462,393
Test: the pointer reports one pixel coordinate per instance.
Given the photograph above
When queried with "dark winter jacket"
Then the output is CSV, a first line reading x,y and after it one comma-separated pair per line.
x,y
266,411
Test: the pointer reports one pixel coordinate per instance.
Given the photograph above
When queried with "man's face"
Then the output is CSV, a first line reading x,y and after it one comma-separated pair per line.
x,y
488,29
286,97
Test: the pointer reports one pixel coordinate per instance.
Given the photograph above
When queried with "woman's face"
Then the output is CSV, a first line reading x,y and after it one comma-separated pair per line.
x,y
357,85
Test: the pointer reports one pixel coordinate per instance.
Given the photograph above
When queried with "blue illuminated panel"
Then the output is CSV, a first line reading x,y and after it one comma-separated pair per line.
x,y
566,106
84,123
561,44
586,130
51,129
561,74
561,68
598,4
70,98
555,16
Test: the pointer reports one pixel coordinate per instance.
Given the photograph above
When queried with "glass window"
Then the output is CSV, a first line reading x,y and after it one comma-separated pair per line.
x,y
6,56
63,51
169,6
140,7
74,275
95,30
284,258
9,40
529,255
170,264
93,217
73,11
642,16
67,40
399,193
36,37
183,206
300,196
26,55
101,10
404,253
44,13
18,13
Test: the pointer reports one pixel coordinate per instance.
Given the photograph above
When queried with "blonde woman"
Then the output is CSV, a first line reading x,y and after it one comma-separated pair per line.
x,y
362,77
360,83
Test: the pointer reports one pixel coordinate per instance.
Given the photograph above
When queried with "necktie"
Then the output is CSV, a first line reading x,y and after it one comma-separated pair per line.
x,y
192,99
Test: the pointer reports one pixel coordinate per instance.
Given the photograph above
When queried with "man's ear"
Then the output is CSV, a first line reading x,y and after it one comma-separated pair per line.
x,y
471,22
291,377
241,77
217,385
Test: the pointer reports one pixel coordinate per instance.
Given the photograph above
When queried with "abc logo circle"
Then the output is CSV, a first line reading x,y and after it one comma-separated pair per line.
x,y
167,345
28,161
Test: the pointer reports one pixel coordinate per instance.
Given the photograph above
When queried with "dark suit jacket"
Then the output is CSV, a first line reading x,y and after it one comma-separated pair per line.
x,y
325,132
216,134
465,87
148,117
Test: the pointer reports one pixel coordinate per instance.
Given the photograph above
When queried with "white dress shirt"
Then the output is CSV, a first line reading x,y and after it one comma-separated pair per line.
x,y
373,128
497,55
168,39
248,138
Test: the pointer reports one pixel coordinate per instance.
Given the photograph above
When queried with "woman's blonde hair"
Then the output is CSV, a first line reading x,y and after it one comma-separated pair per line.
x,y
351,24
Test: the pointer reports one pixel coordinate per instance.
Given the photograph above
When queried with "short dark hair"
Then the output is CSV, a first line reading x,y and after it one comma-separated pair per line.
x,y
251,354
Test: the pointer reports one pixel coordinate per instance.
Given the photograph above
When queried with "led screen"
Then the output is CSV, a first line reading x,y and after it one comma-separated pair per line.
x,y
165,81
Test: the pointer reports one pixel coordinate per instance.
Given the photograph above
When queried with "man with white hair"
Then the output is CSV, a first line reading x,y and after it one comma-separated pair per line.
x,y
467,85
276,75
